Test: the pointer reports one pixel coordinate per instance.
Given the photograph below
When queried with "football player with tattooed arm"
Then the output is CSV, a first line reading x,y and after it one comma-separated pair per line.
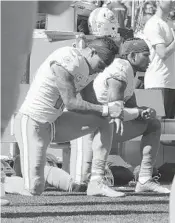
x,y
41,119
115,85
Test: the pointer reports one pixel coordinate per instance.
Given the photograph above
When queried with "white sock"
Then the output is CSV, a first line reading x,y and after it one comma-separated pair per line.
x,y
96,177
146,168
98,169
143,180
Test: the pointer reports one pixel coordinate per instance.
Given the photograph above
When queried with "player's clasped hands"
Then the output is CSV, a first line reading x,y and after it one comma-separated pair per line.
x,y
147,113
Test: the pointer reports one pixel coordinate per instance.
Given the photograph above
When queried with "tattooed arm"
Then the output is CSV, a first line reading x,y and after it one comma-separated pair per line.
x,y
67,90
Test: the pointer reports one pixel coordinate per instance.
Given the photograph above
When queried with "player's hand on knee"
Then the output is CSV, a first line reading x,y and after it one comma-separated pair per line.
x,y
147,113
152,113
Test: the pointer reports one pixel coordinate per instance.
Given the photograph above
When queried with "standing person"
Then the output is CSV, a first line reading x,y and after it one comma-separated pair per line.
x,y
41,119
149,9
161,71
119,9
116,85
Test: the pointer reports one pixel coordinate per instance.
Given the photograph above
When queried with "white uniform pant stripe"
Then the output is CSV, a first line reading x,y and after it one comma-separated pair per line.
x,y
79,161
24,121
52,131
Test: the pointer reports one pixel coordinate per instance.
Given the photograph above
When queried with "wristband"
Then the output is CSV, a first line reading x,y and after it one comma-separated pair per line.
x,y
138,113
105,110
120,103
139,117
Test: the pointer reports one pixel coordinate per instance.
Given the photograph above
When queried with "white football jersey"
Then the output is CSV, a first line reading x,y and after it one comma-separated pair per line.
x,y
120,69
43,102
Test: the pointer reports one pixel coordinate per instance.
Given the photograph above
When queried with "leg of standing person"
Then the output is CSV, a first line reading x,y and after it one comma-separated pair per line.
x,y
173,104
169,102
169,105
18,21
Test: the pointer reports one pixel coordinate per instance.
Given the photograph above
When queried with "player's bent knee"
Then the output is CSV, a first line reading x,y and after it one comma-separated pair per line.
x,y
154,125
99,121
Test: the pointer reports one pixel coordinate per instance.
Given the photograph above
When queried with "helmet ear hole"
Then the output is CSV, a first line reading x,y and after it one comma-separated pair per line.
x,y
74,45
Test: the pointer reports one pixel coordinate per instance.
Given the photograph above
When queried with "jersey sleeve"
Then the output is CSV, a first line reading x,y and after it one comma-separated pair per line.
x,y
66,58
119,71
